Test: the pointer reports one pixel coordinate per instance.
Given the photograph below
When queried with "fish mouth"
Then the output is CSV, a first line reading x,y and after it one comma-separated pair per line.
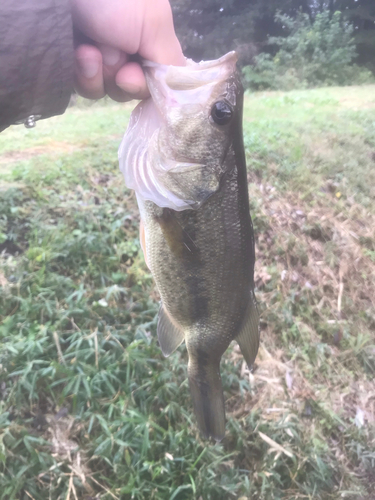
x,y
177,83
229,58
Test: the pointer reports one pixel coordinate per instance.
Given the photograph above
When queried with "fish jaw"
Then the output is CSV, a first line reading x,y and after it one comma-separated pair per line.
x,y
166,155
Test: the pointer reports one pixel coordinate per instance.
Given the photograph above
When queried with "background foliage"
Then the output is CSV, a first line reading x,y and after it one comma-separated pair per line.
x,y
309,55
210,28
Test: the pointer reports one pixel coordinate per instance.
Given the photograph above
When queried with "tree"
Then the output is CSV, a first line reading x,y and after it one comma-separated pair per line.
x,y
311,54
209,28
361,14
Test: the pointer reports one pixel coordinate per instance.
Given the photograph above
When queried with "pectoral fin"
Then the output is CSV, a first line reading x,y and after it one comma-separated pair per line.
x,y
248,338
170,336
176,236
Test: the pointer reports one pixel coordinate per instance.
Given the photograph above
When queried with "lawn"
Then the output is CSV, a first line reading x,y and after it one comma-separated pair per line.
x,y
90,409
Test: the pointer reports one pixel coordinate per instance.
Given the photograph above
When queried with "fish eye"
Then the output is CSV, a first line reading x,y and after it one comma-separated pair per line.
x,y
221,113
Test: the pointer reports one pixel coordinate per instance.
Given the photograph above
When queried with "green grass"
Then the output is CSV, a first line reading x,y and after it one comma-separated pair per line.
x,y
89,406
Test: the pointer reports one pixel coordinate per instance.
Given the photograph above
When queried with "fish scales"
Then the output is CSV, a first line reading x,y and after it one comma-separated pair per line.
x,y
201,254
208,283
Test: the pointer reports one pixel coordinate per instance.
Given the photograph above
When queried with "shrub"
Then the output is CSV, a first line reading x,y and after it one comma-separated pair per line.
x,y
313,54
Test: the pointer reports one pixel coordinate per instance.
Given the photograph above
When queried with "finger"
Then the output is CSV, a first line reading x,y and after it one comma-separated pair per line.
x,y
131,79
144,27
113,60
159,42
88,77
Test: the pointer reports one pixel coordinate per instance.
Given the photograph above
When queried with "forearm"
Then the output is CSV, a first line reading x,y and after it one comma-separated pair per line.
x,y
36,59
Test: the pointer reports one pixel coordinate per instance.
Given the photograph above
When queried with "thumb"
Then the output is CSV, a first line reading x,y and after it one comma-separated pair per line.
x,y
159,42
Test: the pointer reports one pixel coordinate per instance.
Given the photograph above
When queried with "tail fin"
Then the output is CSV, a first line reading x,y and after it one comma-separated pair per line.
x,y
208,400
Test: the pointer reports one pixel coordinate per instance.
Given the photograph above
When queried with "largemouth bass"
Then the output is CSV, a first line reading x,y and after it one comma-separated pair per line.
x,y
183,155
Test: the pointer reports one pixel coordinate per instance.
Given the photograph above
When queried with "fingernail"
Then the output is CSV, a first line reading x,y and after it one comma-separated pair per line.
x,y
110,55
129,88
88,67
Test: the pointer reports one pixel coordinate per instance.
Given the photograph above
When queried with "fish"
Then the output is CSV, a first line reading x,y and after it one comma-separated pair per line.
x,y
183,155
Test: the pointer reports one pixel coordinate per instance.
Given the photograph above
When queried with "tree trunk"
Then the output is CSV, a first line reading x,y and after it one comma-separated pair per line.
x,y
331,7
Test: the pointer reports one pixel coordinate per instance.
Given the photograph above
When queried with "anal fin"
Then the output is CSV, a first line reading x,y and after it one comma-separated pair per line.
x,y
248,338
170,336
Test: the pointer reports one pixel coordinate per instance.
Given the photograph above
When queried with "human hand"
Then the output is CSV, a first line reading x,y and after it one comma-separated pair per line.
x,y
120,28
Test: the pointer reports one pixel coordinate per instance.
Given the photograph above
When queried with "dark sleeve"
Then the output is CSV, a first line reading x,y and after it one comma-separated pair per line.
x,y
36,59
